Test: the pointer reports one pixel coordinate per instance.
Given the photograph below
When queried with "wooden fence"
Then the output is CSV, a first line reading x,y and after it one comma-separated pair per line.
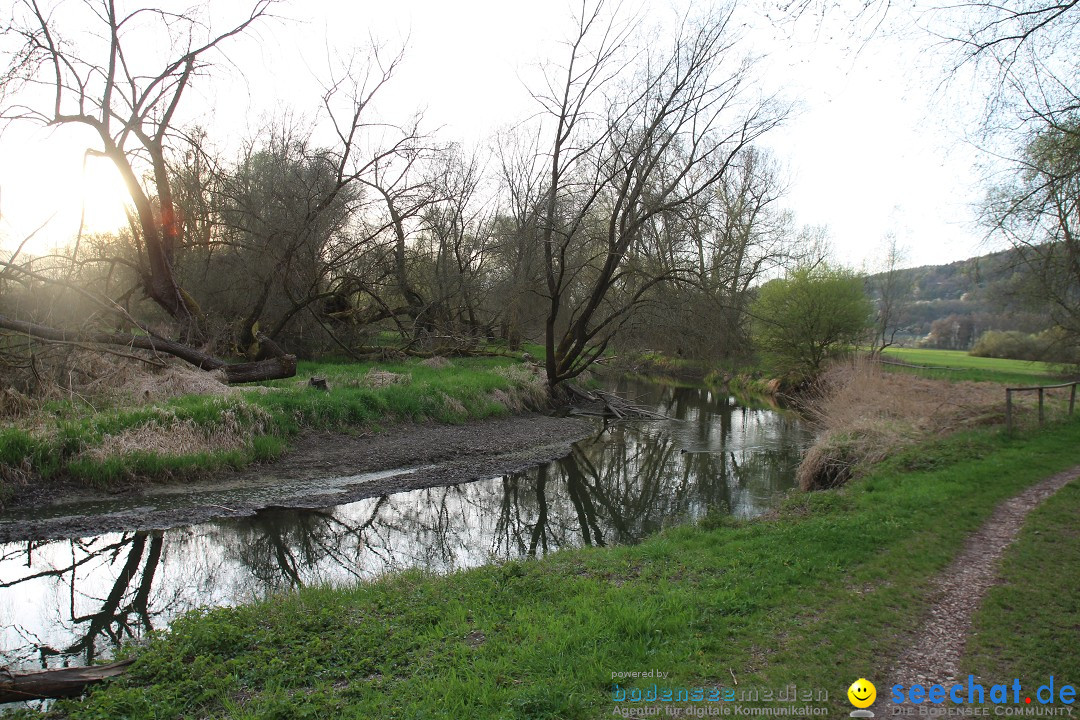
x,y
1041,389
900,363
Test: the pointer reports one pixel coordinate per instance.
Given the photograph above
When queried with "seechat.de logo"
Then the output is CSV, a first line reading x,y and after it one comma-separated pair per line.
x,y
862,695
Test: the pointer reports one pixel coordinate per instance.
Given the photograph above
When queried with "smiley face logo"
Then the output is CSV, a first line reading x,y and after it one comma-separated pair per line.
x,y
862,693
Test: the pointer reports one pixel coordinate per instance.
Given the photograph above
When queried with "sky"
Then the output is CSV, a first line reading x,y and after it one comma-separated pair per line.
x,y
873,148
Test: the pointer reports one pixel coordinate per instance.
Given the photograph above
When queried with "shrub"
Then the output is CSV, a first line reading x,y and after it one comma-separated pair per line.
x,y
1047,346
808,317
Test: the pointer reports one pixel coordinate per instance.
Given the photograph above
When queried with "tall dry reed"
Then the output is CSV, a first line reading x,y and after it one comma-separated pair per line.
x,y
862,414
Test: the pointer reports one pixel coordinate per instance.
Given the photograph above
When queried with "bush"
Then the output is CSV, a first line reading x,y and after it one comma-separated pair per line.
x,y
809,317
1047,346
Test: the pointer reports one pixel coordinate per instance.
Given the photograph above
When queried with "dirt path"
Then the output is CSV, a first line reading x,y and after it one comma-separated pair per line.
x,y
938,645
322,470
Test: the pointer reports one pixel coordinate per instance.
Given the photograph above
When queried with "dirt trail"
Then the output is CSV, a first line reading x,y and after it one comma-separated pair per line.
x,y
938,644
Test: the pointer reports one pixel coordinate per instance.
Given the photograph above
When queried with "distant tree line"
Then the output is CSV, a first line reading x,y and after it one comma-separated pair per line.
x,y
635,206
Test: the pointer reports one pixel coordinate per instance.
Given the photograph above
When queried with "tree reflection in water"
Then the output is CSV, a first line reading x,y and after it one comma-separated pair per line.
x,y
66,602
101,615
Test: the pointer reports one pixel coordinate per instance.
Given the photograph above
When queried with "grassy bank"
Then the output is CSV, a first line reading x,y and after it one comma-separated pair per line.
x,y
740,377
816,596
117,436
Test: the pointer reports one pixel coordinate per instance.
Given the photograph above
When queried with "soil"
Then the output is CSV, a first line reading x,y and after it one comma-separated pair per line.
x,y
322,470
933,657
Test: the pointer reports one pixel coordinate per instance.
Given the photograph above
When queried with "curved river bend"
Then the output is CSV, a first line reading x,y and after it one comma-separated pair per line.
x,y
67,602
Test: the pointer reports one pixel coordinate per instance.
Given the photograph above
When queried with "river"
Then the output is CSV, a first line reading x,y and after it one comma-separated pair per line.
x,y
68,602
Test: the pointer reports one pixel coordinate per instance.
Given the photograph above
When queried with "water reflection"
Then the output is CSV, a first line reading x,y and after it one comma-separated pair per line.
x,y
66,602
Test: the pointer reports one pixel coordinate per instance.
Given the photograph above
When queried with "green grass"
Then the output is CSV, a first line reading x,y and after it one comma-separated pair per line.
x,y
62,440
976,369
818,595
50,449
470,382
1028,627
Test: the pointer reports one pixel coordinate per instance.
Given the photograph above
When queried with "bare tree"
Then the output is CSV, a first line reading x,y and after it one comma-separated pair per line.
x,y
890,291
302,210
1038,213
459,241
131,109
520,280
1032,47
736,233
129,97
273,219
1003,30
633,141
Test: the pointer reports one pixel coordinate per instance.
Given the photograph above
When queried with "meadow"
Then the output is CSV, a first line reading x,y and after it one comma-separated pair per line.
x,y
959,366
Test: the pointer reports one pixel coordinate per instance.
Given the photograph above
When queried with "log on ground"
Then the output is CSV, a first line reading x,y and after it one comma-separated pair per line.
x,y
59,683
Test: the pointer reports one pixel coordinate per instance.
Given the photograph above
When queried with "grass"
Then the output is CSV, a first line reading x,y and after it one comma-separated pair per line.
x,y
1027,627
817,595
975,369
105,444
465,390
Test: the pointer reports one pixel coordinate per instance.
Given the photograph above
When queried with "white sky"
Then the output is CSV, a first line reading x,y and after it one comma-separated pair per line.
x,y
872,149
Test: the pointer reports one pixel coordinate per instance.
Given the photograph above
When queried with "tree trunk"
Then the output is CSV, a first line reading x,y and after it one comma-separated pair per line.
x,y
65,682
269,369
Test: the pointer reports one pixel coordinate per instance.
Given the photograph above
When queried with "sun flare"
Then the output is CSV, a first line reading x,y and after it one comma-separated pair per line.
x,y
103,197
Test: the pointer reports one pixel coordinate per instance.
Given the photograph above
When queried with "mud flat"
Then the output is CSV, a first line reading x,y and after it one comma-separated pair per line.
x,y
322,470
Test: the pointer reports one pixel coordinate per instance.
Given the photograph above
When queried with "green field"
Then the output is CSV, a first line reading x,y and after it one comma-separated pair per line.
x,y
976,369
814,596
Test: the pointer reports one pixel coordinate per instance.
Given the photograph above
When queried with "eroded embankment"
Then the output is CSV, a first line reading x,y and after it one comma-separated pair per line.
x,y
322,470
114,433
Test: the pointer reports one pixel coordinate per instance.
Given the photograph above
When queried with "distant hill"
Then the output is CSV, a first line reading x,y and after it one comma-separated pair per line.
x,y
950,306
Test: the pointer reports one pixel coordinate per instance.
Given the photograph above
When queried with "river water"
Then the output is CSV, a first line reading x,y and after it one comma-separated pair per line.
x,y
67,602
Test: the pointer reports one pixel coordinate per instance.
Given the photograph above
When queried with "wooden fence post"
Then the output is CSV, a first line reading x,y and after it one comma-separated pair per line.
x,y
1008,410
1041,393
1072,399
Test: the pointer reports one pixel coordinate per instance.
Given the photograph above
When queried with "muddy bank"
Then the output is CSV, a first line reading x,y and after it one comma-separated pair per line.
x,y
322,470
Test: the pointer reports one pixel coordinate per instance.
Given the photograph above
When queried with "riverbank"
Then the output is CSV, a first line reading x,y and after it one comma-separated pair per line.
x,y
320,470
813,595
128,426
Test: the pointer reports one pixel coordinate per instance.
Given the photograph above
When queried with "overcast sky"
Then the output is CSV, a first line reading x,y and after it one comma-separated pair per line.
x,y
874,147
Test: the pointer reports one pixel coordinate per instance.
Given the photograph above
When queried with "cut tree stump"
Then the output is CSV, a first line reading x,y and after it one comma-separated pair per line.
x,y
59,683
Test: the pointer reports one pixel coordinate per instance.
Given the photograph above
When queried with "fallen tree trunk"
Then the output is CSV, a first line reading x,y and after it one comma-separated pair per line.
x,y
269,369
64,682
610,405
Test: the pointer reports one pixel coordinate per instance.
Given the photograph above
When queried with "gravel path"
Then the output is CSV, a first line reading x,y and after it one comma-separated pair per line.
x,y
938,644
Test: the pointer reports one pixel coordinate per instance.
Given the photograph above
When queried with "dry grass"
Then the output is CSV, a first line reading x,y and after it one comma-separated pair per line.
x,y
171,437
864,414
13,404
14,476
437,362
145,384
95,376
376,378
529,391
453,405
